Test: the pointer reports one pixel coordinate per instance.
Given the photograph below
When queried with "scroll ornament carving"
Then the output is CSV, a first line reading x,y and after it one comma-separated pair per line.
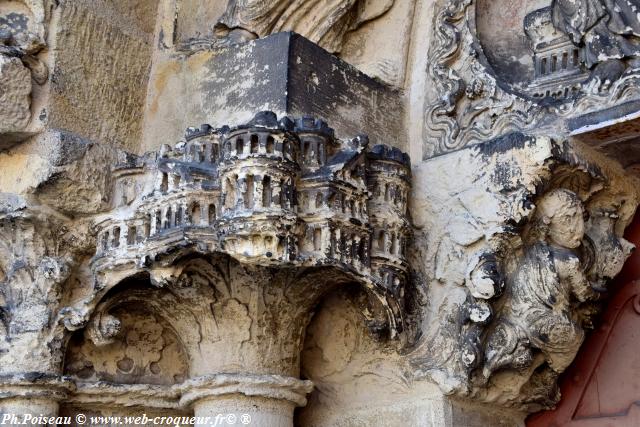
x,y
472,106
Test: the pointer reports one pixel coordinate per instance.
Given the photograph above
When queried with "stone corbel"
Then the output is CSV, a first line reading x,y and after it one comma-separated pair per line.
x,y
234,237
520,246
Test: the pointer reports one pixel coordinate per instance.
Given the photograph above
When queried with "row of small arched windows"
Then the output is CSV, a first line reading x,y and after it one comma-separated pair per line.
x,y
155,223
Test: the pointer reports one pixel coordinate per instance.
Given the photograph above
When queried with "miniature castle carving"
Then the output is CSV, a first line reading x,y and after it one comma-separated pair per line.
x,y
558,63
269,193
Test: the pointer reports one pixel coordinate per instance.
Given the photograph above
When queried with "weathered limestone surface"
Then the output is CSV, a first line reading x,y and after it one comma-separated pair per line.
x,y
102,61
15,86
283,73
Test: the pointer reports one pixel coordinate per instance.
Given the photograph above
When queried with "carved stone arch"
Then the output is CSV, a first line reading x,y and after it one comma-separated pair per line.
x,y
203,275
343,357
136,295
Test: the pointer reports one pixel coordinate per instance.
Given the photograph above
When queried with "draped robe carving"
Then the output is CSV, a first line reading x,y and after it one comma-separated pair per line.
x,y
324,22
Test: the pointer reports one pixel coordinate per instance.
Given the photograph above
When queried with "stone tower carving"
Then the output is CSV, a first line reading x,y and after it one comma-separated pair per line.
x,y
225,241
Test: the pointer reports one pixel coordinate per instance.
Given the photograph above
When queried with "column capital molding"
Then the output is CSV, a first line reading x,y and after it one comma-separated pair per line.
x,y
36,385
275,387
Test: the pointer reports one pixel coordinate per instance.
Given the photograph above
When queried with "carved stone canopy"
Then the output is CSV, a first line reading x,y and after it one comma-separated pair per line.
x,y
273,193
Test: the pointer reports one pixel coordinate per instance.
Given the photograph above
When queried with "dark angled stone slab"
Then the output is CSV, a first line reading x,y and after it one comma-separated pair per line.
x,y
284,73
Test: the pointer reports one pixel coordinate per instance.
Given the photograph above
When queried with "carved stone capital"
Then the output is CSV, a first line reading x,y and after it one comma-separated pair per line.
x,y
36,260
517,259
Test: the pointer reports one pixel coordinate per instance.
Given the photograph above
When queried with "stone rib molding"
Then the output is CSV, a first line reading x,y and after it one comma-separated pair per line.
x,y
183,396
126,395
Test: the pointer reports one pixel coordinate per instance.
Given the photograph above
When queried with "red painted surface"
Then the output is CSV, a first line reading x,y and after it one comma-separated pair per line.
x,y
602,387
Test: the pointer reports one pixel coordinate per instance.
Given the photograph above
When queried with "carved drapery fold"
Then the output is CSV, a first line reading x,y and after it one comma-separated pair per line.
x,y
518,280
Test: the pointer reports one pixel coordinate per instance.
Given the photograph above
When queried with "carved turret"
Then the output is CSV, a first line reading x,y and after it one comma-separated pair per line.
x,y
317,143
389,178
258,175
558,63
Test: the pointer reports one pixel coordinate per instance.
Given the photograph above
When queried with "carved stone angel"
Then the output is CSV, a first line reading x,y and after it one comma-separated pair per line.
x,y
608,30
539,313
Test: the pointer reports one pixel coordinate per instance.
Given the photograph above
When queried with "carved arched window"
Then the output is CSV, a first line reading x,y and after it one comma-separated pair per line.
x,y
179,215
212,213
239,146
164,185
158,221
266,191
131,235
167,218
116,237
229,193
195,213
382,237
362,251
317,239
